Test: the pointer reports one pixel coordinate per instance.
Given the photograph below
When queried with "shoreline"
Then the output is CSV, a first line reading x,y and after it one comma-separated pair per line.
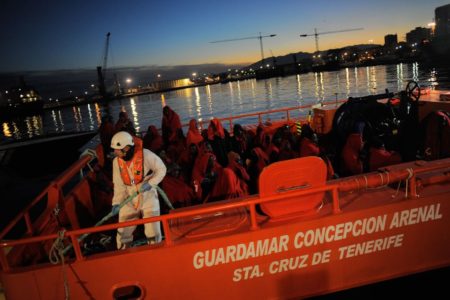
x,y
277,72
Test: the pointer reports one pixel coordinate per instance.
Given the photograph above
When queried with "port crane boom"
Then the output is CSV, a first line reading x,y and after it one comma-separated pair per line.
x,y
260,37
105,53
101,70
316,34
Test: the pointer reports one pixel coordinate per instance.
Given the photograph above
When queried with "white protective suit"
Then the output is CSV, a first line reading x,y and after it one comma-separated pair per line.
x,y
155,170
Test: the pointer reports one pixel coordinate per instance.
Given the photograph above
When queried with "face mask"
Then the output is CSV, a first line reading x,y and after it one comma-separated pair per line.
x,y
129,154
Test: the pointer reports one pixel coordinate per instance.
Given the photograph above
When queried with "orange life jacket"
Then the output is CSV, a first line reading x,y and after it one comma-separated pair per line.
x,y
138,165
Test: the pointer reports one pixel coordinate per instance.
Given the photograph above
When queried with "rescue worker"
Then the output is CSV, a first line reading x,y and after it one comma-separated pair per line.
x,y
135,169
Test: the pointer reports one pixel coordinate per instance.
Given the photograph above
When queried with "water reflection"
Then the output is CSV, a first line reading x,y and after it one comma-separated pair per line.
x,y
415,70
399,76
319,86
59,124
253,89
163,100
372,81
299,88
98,114
16,131
6,131
232,98
239,96
135,114
269,94
433,79
78,118
198,105
347,82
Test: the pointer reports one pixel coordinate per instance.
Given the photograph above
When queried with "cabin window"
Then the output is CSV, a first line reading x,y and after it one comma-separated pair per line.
x,y
128,292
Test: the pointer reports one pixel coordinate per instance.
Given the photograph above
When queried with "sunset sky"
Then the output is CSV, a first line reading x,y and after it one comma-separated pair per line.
x,y
71,34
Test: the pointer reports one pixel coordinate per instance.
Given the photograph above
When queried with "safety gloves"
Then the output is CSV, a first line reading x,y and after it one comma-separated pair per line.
x,y
115,209
145,187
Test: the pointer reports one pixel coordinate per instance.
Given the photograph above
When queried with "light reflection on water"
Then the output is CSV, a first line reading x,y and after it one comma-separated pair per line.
x,y
233,98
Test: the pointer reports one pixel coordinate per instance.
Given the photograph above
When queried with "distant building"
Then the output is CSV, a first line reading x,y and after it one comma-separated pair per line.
x,y
442,19
171,84
390,40
418,35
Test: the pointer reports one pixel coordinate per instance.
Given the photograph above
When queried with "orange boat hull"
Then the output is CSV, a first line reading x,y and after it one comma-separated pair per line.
x,y
365,242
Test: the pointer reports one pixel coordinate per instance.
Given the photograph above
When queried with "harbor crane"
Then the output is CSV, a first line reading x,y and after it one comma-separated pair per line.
x,y
101,70
316,34
260,37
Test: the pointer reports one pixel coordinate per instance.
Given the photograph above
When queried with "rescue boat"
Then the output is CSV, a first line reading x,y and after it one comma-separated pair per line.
x,y
301,236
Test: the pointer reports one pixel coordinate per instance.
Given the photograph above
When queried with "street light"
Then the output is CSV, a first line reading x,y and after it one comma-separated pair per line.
x,y
128,81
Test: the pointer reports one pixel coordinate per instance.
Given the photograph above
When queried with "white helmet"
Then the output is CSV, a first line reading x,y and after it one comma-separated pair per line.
x,y
121,139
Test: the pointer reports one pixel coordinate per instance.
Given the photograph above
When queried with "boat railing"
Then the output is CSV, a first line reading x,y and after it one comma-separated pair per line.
x,y
248,203
53,194
259,115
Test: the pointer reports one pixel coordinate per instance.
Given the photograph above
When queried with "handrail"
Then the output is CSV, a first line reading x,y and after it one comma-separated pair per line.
x,y
262,113
249,203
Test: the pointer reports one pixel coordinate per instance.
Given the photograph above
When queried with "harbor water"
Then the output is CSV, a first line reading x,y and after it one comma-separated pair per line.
x,y
233,98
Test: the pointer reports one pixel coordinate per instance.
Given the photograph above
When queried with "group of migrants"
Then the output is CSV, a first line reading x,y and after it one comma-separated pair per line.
x,y
210,164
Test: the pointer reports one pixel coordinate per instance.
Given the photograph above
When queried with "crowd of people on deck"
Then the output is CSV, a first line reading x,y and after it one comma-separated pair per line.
x,y
213,164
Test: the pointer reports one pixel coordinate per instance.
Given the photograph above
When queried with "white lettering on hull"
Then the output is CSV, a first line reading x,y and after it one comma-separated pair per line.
x,y
353,250
292,257
416,215
233,253
288,264
339,232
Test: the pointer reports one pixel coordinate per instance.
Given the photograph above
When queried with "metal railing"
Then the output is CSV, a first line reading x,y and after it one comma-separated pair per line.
x,y
250,204
260,115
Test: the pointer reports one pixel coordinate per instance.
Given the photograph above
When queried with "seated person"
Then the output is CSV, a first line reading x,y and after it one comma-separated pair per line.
x,y
179,193
380,157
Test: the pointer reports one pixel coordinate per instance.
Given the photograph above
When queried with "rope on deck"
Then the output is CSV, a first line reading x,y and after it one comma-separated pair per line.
x,y
56,255
110,214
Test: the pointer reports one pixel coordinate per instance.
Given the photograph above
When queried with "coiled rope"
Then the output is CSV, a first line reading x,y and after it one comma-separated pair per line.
x,y
56,256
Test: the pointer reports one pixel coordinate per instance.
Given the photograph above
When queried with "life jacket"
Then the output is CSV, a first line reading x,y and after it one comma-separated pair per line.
x,y
138,165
